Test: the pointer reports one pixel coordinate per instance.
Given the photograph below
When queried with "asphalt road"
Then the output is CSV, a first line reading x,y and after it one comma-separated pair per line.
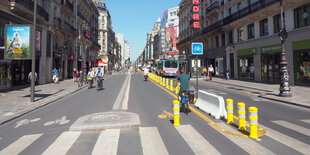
x,y
43,129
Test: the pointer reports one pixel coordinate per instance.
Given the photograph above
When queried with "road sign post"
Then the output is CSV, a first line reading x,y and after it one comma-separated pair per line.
x,y
197,49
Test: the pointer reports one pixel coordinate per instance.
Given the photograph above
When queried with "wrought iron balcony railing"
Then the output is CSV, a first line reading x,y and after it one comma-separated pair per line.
x,y
214,5
30,6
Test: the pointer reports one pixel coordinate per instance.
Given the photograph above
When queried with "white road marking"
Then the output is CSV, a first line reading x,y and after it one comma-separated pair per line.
x,y
107,142
126,95
245,143
306,121
196,142
26,121
151,141
293,127
8,114
118,100
19,145
62,144
288,141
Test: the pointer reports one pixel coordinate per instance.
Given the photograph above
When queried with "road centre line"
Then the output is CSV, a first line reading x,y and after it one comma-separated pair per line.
x,y
208,120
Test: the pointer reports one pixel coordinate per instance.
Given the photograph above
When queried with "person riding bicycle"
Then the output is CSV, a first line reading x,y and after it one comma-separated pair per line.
x,y
145,72
90,77
184,84
99,76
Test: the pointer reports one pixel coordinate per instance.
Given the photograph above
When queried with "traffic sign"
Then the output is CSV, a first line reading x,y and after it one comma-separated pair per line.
x,y
197,49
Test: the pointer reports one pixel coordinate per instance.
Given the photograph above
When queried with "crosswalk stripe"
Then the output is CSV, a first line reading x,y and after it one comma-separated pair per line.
x,y
294,127
151,141
196,142
306,121
107,142
245,143
19,145
62,144
288,141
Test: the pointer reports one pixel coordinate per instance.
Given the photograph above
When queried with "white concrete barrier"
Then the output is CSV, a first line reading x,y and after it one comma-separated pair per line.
x,y
212,104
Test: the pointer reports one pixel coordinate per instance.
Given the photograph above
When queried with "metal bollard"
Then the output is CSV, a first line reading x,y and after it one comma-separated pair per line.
x,y
230,111
167,83
164,82
253,122
176,113
171,85
241,112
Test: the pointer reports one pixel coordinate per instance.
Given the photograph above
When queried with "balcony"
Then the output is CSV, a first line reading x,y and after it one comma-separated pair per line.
x,y
259,5
67,4
28,4
211,7
83,18
213,27
68,27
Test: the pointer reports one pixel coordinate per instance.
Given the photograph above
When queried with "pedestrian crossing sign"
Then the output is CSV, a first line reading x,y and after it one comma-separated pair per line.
x,y
197,49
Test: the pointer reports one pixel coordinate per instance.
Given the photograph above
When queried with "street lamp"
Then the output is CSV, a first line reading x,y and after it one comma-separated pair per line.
x,y
285,90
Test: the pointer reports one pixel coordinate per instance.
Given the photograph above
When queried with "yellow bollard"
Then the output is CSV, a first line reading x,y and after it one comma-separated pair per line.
x,y
171,85
164,82
176,113
253,122
230,111
241,112
167,83
157,79
177,89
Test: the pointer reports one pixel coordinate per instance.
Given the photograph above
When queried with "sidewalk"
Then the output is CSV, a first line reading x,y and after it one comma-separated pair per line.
x,y
300,94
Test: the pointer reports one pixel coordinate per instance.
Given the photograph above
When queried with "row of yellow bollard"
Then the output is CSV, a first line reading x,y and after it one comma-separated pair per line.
x,y
241,112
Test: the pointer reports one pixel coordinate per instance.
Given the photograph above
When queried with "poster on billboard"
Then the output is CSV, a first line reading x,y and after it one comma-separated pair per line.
x,y
17,41
171,38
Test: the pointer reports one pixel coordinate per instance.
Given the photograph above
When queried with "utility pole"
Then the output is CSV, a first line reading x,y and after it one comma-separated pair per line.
x,y
33,56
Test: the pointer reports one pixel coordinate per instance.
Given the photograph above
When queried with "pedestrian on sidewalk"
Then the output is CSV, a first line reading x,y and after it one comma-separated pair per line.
x,y
210,71
204,71
227,73
55,74
75,72
30,77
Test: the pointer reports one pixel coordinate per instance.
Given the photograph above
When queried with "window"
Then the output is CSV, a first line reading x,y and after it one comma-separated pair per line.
x,y
251,33
216,41
302,16
229,11
240,34
223,39
263,27
230,38
239,6
277,23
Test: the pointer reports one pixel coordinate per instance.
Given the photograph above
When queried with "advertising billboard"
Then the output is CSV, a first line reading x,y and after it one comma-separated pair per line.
x,y
17,41
171,38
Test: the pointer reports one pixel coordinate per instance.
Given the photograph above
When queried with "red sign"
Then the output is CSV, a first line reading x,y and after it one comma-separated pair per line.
x,y
172,53
87,36
195,8
70,57
196,24
195,1
171,38
196,16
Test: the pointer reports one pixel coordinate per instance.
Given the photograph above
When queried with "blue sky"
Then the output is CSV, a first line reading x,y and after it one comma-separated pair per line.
x,y
135,18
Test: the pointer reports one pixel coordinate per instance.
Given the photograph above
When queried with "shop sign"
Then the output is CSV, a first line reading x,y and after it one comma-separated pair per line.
x,y
301,45
196,14
172,53
248,51
197,49
271,48
17,42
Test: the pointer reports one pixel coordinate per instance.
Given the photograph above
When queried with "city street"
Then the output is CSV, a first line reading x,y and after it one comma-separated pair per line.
x,y
48,130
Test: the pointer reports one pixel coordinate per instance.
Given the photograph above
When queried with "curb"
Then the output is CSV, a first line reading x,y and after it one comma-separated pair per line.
x,y
41,104
267,90
287,102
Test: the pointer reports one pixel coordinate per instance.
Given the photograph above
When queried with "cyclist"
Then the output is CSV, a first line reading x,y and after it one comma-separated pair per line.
x,y
90,76
184,84
99,76
145,72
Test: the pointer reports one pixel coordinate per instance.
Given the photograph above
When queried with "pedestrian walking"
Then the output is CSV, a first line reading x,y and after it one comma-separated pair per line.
x,y
55,74
210,71
75,72
30,77
204,71
227,73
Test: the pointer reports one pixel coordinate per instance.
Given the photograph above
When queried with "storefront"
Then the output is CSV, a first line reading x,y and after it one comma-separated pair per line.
x,y
246,63
270,61
301,51
219,66
5,74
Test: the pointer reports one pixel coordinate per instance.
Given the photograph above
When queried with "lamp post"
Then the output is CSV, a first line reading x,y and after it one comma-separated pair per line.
x,y
33,56
285,90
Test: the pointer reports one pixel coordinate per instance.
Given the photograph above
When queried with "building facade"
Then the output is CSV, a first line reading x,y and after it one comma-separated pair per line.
x,y
15,72
242,36
149,49
121,39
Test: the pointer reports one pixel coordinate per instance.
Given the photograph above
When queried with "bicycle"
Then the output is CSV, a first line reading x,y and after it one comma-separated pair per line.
x,y
99,83
184,102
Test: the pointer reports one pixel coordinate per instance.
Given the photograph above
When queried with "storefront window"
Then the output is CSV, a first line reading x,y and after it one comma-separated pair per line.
x,y
271,67
246,67
302,67
219,66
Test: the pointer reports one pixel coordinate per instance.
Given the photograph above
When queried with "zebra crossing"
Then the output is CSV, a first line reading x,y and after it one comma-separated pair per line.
x,y
152,143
